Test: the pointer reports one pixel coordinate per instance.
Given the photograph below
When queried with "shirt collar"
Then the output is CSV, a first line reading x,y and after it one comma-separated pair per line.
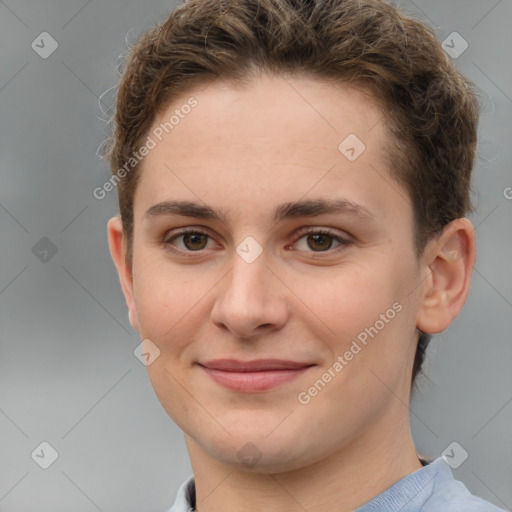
x,y
186,497
406,494
412,491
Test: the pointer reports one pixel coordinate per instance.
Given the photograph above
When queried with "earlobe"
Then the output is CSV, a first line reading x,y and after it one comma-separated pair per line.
x,y
116,243
450,260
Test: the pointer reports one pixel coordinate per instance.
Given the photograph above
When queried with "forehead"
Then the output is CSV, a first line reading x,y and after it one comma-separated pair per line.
x,y
313,111
279,136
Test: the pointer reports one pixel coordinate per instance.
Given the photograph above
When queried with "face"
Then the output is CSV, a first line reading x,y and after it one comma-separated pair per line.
x,y
331,289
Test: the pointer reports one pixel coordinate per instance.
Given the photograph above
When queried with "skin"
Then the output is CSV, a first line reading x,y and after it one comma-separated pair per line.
x,y
246,151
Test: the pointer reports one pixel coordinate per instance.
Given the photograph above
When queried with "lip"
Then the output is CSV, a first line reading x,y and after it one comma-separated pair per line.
x,y
257,375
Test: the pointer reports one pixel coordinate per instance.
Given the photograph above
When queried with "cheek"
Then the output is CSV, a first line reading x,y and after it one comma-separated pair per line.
x,y
365,319
169,298
155,296
347,299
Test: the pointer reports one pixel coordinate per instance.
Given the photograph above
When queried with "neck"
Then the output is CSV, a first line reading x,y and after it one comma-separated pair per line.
x,y
345,480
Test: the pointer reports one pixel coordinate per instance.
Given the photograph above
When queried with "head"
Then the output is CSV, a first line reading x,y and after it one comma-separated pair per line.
x,y
248,107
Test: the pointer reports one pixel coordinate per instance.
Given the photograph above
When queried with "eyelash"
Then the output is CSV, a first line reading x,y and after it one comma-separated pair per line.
x,y
344,243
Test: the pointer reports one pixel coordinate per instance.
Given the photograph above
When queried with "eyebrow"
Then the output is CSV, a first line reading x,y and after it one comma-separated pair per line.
x,y
304,208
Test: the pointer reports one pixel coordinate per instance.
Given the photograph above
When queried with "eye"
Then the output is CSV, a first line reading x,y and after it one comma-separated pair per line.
x,y
194,240
318,240
321,240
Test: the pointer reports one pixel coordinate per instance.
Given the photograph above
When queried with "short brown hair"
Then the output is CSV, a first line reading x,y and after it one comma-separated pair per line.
x,y
430,109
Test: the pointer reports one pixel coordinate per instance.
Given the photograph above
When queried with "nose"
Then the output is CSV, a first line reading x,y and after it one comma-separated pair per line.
x,y
251,300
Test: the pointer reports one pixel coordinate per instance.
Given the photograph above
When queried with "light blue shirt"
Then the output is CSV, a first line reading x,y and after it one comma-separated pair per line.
x,y
429,489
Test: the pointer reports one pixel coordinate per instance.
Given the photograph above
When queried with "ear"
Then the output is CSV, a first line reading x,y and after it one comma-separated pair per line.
x,y
448,262
116,241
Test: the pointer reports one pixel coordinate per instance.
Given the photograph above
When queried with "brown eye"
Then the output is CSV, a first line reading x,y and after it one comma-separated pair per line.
x,y
321,241
194,241
317,241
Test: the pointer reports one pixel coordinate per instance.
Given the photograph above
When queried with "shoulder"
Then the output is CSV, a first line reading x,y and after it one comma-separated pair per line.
x,y
450,495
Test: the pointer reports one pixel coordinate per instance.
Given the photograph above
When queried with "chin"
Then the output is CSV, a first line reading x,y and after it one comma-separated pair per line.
x,y
260,450
259,457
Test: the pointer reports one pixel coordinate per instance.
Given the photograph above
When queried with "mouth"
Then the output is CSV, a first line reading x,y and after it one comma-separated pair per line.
x,y
252,376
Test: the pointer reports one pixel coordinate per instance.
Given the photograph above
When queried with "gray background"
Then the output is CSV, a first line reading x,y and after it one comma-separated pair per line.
x,y
68,374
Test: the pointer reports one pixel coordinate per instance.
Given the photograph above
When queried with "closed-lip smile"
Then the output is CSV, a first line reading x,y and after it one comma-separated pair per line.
x,y
255,375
